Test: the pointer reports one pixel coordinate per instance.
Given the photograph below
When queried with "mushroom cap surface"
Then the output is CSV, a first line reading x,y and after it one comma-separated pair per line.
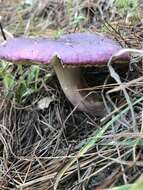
x,y
73,49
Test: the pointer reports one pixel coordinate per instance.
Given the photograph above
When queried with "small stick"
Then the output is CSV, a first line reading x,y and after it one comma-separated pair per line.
x,y
2,31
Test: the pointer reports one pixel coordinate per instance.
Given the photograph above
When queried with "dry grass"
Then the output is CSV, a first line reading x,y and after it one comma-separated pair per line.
x,y
59,146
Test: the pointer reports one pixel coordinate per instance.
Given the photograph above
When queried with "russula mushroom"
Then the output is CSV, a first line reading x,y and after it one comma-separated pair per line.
x,y
68,55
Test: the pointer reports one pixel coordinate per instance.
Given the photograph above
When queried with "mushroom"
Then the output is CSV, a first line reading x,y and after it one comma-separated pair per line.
x,y
68,55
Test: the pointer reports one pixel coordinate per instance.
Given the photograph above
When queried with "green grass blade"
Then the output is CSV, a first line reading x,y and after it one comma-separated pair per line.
x,y
138,185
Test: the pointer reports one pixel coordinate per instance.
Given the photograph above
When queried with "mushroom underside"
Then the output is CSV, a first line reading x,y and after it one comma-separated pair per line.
x,y
73,84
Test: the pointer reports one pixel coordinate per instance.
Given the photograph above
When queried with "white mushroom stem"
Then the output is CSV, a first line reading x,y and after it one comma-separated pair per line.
x,y
71,80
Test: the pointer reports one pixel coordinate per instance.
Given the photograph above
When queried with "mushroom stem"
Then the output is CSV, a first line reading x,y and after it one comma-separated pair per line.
x,y
71,80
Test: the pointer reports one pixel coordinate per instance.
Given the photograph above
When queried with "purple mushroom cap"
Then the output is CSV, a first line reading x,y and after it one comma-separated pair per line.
x,y
72,49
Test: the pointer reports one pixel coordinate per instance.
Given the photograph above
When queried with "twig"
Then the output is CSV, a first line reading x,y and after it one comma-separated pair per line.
x,y
2,31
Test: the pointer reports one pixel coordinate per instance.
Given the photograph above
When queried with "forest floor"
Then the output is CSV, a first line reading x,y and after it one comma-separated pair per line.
x,y
56,146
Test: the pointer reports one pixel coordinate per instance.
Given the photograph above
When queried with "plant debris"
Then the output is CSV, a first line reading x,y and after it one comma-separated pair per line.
x,y
57,146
